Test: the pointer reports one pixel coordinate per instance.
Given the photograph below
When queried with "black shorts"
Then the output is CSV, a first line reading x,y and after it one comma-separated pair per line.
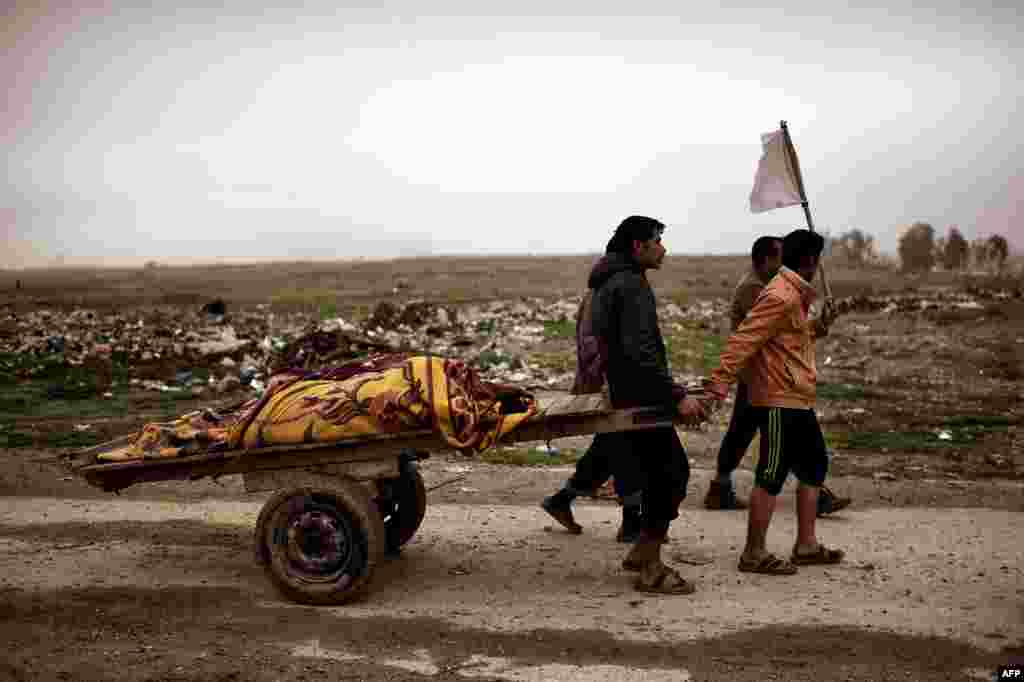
x,y
791,440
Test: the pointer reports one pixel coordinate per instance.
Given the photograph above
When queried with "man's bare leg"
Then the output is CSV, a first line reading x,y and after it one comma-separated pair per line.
x,y
762,506
806,515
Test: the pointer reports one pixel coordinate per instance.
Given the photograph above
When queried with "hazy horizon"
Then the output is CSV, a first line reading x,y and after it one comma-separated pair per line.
x,y
259,134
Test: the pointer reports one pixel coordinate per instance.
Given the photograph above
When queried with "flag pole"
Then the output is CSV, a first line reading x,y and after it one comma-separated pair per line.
x,y
795,163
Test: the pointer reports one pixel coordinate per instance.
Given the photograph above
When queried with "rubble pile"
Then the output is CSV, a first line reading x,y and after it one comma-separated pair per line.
x,y
911,303
168,348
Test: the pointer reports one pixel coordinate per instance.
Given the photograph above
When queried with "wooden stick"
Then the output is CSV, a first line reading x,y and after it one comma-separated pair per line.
x,y
795,163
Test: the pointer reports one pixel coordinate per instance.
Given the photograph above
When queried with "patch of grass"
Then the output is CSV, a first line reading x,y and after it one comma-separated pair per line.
x,y
886,440
962,430
462,294
530,456
680,297
559,329
840,391
988,421
70,439
328,311
35,399
12,438
693,349
711,351
315,296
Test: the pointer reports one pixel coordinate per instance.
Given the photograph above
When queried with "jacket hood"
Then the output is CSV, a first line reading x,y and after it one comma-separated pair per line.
x,y
609,264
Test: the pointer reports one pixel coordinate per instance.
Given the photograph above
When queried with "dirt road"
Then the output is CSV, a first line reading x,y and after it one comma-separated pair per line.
x,y
158,587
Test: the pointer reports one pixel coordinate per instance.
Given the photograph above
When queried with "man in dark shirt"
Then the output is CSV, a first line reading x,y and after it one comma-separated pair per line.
x,y
653,461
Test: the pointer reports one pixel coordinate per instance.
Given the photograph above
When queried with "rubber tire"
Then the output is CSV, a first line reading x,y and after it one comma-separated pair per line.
x,y
352,503
260,533
412,507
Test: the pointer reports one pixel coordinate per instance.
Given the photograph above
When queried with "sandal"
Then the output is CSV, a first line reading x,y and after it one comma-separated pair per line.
x,y
663,580
769,564
823,555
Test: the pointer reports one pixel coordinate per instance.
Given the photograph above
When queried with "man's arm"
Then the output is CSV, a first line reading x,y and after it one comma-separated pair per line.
x,y
760,325
820,325
743,301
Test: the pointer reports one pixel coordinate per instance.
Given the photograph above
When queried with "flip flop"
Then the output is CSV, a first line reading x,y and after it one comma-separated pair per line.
x,y
823,556
666,581
769,564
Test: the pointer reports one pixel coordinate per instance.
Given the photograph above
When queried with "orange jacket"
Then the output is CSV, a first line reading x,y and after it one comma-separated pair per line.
x,y
777,340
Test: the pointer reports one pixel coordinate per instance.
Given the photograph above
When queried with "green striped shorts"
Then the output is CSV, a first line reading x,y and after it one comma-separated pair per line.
x,y
791,440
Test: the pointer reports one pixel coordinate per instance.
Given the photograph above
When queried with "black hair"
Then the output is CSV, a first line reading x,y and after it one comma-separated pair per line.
x,y
763,247
799,245
634,228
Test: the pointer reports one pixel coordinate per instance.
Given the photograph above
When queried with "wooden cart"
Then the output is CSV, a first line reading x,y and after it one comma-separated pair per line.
x,y
339,506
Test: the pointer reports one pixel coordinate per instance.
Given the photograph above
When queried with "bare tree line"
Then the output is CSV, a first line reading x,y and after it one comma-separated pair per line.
x,y
922,249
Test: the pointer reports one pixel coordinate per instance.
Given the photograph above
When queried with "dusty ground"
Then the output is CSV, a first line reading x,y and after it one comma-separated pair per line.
x,y
159,583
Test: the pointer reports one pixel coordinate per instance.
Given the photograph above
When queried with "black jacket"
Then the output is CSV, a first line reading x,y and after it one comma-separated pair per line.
x,y
625,316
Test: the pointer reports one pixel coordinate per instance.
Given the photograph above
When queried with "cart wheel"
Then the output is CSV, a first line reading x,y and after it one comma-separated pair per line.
x,y
321,542
403,504
262,544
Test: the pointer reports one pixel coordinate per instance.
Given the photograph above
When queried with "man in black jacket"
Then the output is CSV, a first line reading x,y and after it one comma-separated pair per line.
x,y
652,461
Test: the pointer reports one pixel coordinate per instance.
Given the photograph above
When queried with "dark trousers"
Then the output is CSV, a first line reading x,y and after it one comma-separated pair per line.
x,y
594,467
654,462
742,427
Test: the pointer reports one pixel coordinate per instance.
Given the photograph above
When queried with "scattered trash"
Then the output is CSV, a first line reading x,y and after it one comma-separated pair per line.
x,y
228,384
190,350
883,476
945,435
997,460
247,374
83,427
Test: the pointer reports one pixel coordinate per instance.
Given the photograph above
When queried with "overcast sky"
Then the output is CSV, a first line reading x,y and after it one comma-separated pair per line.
x,y
430,127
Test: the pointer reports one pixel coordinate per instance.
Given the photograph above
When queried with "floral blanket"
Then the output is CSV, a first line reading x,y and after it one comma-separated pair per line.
x,y
385,394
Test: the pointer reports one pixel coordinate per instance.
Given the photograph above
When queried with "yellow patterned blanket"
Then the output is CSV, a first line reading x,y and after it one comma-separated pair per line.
x,y
384,394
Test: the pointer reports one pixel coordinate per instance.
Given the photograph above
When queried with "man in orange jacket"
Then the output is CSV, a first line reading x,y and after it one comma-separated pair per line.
x,y
776,342
766,257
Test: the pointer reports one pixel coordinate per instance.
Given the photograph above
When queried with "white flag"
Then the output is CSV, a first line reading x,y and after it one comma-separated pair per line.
x,y
775,182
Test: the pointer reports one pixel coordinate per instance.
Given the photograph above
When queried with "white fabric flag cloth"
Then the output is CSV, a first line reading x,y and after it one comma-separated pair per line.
x,y
775,183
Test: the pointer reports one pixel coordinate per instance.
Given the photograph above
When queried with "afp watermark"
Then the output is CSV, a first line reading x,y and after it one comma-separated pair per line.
x,y
1010,672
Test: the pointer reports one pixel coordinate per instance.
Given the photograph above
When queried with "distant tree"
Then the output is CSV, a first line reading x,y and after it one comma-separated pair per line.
x,y
917,247
978,253
829,241
939,250
954,250
997,250
856,246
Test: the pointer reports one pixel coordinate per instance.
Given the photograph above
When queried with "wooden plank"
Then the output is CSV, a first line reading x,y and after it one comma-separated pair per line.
x,y
575,404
